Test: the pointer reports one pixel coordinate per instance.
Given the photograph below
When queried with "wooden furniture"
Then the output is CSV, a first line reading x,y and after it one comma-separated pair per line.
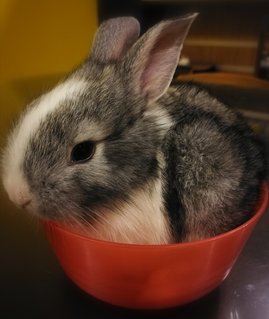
x,y
230,79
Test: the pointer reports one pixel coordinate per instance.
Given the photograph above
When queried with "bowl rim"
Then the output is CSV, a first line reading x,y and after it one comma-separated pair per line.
x,y
261,207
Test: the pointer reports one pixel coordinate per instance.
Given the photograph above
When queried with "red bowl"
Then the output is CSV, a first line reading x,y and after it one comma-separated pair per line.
x,y
150,276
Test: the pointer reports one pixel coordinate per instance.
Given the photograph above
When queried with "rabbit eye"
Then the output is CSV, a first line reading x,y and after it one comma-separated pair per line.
x,y
82,152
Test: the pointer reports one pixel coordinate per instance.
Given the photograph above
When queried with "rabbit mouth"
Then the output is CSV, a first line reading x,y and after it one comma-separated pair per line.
x,y
26,203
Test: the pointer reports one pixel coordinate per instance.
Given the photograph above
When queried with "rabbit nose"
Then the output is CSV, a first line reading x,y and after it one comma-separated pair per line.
x,y
22,201
17,189
20,196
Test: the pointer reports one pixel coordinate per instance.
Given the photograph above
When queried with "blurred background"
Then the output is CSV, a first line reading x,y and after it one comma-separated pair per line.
x,y
229,35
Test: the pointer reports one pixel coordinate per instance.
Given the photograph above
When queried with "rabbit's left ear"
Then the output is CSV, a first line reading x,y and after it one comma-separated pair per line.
x,y
113,39
152,60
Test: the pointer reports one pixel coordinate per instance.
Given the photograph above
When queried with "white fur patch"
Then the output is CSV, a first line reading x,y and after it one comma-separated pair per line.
x,y
162,118
142,220
13,178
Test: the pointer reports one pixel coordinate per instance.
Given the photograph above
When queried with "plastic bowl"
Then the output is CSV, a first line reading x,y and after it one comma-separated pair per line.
x,y
150,276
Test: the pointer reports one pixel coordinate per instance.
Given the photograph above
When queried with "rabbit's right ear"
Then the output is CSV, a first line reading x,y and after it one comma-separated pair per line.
x,y
113,39
152,60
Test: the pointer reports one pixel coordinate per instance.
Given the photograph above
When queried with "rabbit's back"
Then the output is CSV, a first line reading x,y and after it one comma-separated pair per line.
x,y
214,165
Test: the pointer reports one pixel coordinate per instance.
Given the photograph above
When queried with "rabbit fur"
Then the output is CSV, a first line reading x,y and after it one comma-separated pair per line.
x,y
170,163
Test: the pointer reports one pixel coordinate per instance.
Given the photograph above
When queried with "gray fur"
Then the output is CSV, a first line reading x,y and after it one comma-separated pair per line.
x,y
213,163
218,165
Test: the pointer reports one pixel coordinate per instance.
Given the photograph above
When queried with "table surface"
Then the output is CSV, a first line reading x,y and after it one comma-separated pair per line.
x,y
32,284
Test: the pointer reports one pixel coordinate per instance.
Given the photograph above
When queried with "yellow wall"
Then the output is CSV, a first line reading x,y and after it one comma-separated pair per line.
x,y
40,40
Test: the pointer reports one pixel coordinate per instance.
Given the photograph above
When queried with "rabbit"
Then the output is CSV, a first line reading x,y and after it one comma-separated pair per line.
x,y
119,154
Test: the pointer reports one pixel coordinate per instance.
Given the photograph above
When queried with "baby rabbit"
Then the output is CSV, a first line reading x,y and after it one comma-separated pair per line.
x,y
116,152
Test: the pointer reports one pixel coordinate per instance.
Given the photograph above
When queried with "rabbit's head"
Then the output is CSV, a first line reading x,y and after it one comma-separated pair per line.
x,y
95,137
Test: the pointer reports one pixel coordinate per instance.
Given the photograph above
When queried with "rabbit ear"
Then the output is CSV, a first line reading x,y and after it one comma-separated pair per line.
x,y
113,38
154,57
